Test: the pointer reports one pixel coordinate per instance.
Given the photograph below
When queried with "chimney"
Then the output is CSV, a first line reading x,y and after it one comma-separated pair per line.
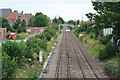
x,y
16,11
10,10
22,12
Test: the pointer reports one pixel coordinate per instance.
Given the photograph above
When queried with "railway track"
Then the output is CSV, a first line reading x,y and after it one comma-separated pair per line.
x,y
73,62
77,48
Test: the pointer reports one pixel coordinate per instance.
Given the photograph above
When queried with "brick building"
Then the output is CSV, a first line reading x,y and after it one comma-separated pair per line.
x,y
26,17
12,16
35,30
3,32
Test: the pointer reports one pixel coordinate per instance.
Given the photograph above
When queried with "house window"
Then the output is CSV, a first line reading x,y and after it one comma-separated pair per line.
x,y
11,19
28,30
41,30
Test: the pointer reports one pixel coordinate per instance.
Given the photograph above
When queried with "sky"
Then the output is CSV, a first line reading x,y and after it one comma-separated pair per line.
x,y
67,9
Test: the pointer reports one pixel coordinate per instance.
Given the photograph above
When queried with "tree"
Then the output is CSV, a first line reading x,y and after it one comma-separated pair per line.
x,y
39,20
71,22
61,19
58,21
19,26
77,22
55,20
5,24
108,17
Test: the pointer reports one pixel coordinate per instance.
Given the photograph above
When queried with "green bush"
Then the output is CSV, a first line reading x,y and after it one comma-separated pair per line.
x,y
61,27
93,35
14,49
34,45
55,27
41,36
9,66
70,27
89,29
21,36
111,67
106,39
49,33
107,52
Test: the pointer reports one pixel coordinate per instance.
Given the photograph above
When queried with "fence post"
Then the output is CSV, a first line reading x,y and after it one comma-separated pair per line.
x,y
41,56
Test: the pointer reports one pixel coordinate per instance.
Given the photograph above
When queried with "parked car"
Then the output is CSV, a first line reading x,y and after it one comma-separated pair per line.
x,y
11,35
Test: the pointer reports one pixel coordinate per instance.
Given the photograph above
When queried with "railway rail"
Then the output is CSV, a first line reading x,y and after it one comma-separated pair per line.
x,y
74,62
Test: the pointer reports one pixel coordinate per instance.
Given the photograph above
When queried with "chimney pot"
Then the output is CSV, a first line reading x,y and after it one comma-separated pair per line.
x,y
15,10
10,10
22,12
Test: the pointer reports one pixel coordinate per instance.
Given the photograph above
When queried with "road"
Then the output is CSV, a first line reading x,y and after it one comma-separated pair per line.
x,y
72,60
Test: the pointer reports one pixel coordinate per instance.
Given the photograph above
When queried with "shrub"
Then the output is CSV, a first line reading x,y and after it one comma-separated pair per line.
x,y
14,49
89,29
21,36
107,52
47,35
55,27
61,27
105,40
49,32
93,35
34,45
9,66
111,67
70,27
41,36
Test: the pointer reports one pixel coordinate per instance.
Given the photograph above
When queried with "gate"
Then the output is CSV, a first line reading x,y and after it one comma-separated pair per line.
x,y
35,30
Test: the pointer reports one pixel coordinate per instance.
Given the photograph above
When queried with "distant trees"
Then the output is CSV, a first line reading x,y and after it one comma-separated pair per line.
x,y
39,20
78,22
59,20
71,22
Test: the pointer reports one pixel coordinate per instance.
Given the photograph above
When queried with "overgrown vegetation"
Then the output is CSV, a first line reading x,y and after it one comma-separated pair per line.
x,y
70,27
20,59
21,36
102,47
59,20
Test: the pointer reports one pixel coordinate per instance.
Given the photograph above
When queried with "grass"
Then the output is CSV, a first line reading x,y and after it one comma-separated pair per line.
x,y
112,67
28,70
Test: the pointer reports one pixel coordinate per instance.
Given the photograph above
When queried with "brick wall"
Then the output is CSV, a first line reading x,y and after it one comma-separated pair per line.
x,y
32,29
2,30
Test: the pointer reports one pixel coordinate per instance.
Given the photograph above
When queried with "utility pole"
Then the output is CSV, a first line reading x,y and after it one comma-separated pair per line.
x,y
75,22
82,17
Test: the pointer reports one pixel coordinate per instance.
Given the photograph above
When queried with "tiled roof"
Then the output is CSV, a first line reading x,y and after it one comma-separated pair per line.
x,y
4,12
18,14
28,16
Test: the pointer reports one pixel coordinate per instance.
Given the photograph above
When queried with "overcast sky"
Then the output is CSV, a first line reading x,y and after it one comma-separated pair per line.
x,y
67,9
